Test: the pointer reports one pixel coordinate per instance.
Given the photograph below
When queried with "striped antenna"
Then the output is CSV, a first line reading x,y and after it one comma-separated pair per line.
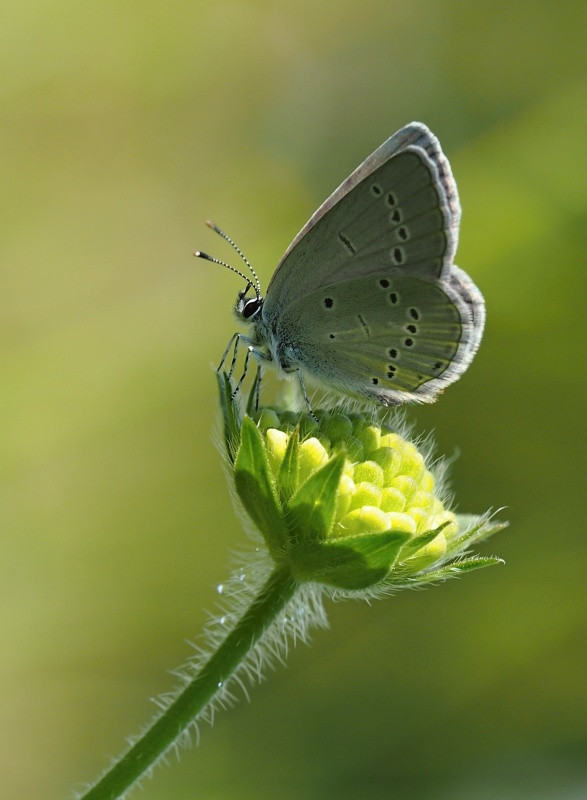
x,y
225,236
206,257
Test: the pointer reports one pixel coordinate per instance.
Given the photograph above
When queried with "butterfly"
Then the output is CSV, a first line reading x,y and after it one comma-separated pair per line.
x,y
367,300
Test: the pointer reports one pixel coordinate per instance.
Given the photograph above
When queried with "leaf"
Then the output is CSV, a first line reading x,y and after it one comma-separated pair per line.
x,y
289,470
311,510
255,487
453,570
417,542
477,533
351,563
230,416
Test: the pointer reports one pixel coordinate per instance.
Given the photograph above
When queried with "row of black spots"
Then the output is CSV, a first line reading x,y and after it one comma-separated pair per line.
x,y
437,368
394,299
390,374
394,219
395,354
377,191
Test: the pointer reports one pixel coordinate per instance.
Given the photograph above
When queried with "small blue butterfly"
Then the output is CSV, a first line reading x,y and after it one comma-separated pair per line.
x,y
366,300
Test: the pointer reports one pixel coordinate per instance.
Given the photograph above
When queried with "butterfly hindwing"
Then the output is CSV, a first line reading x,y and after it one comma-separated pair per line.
x,y
388,339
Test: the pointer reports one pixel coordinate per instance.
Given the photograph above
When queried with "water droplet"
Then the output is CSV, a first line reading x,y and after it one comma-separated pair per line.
x,y
222,620
220,588
220,684
242,576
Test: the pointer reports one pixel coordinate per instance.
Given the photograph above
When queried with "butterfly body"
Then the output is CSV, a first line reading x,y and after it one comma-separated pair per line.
x,y
367,300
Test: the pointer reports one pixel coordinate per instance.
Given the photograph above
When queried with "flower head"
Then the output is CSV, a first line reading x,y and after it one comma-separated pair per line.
x,y
347,501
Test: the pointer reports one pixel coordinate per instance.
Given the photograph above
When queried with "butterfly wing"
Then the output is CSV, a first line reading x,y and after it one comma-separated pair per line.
x,y
375,198
390,340
367,298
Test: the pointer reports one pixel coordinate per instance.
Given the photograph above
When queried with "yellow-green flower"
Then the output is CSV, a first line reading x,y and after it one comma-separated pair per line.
x,y
347,502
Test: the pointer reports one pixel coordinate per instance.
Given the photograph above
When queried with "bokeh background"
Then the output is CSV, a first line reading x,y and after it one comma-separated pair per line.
x,y
123,126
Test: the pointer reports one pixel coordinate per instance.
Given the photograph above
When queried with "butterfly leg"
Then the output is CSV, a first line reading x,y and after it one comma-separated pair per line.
x,y
305,395
252,406
258,387
245,368
251,350
234,340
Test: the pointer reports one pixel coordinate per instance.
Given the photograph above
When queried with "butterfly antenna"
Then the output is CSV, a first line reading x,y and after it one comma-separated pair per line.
x,y
225,236
206,257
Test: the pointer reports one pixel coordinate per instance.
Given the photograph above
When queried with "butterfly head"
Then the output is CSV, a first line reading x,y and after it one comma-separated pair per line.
x,y
247,308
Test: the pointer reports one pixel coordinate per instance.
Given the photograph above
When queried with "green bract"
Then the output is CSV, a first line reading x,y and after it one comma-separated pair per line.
x,y
345,502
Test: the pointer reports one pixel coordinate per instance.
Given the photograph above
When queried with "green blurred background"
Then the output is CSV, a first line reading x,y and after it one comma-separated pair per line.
x,y
123,126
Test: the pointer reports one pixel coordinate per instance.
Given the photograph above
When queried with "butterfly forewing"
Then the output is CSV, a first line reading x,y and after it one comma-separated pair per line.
x,y
396,219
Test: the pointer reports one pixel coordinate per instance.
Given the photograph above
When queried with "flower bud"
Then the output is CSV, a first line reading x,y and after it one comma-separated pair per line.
x,y
346,502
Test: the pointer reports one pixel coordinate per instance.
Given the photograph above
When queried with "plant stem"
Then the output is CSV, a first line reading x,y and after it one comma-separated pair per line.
x,y
275,594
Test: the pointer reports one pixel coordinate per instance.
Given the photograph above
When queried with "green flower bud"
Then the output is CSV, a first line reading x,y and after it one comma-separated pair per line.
x,y
268,419
365,494
366,519
313,455
369,472
346,502
277,442
429,554
346,491
336,426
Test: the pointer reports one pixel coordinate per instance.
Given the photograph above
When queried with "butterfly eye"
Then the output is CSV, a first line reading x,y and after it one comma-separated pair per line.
x,y
251,307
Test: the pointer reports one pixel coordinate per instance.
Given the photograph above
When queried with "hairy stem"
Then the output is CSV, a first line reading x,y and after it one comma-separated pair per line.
x,y
273,597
